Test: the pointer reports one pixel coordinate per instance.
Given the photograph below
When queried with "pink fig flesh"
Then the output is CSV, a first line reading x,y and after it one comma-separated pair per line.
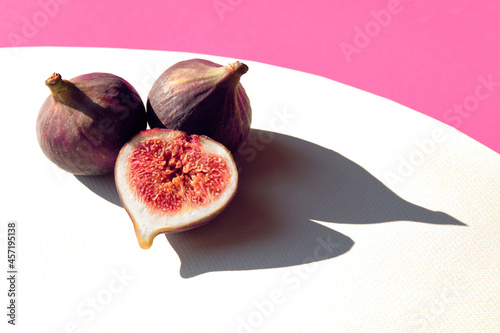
x,y
170,182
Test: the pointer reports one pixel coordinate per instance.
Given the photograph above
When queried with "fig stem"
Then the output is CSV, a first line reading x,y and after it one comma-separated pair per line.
x,y
239,68
55,83
64,91
60,89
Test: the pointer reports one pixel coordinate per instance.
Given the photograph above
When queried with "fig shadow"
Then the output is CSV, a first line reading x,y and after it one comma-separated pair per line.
x,y
104,186
284,185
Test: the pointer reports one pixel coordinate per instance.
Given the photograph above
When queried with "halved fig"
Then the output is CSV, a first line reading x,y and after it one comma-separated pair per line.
x,y
170,182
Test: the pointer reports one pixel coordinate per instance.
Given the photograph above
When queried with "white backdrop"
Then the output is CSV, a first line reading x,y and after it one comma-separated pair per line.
x,y
353,214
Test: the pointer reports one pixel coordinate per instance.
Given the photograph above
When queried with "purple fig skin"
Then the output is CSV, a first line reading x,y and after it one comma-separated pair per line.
x,y
84,123
201,97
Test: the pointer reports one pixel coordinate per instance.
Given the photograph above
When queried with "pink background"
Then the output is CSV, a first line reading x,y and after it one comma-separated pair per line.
x,y
440,58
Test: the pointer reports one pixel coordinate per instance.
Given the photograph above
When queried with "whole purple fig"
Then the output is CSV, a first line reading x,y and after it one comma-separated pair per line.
x,y
201,97
84,123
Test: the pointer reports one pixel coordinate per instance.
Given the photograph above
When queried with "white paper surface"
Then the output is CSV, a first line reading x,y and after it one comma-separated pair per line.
x,y
353,214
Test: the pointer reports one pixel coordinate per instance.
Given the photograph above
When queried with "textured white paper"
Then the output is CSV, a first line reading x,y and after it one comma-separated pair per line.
x,y
353,214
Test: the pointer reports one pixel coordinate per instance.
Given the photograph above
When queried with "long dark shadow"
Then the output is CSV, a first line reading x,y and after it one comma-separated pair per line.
x,y
284,184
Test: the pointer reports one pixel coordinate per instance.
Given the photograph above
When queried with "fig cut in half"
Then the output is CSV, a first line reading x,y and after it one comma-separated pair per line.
x,y
170,182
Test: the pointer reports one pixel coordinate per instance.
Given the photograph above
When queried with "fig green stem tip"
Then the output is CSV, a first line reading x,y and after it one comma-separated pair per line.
x,y
55,83
239,67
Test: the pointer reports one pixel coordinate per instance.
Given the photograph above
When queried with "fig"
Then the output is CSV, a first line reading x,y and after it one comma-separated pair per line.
x,y
170,182
85,121
201,97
